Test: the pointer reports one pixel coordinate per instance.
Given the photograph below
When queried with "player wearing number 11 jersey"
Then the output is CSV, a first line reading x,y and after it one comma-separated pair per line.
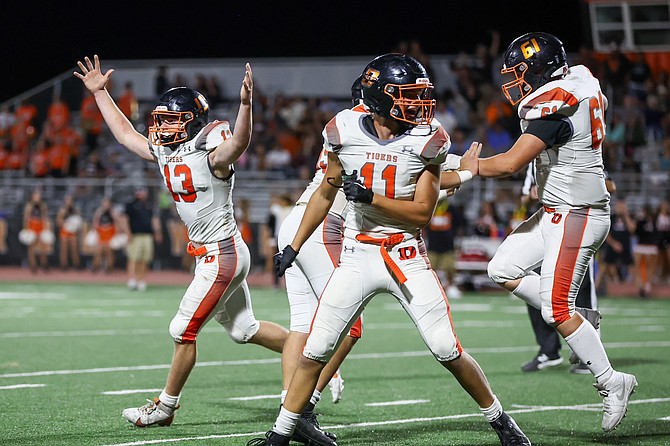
x,y
196,160
388,163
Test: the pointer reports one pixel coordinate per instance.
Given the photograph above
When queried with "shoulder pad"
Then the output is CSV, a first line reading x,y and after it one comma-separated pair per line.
x,y
547,101
437,145
212,135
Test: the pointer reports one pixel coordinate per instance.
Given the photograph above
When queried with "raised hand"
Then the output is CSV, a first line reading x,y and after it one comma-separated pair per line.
x,y
91,74
470,159
247,86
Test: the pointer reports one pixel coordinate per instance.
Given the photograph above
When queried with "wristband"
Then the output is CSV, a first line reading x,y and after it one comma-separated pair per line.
x,y
464,175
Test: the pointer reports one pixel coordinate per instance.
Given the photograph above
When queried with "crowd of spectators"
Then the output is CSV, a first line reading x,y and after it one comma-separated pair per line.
x,y
287,129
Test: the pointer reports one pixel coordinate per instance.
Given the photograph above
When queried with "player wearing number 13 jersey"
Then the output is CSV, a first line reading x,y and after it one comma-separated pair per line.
x,y
196,159
562,111
388,164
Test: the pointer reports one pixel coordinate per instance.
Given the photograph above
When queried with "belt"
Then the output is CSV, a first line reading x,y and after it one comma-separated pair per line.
x,y
196,249
390,241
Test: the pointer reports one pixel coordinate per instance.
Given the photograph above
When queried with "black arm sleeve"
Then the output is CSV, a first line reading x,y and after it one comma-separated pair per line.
x,y
551,131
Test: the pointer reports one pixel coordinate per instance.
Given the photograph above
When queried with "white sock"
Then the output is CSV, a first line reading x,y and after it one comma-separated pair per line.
x,y
586,343
285,423
169,400
282,397
316,397
494,411
528,290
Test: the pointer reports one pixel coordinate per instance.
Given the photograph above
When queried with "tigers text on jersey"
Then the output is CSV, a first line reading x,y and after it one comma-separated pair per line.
x,y
388,167
571,174
204,202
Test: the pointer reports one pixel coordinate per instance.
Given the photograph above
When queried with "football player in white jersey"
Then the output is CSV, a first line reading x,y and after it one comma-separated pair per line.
x,y
388,163
196,160
319,256
563,123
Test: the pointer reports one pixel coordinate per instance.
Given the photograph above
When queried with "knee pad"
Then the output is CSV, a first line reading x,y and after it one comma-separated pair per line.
x,y
241,334
177,328
498,271
444,348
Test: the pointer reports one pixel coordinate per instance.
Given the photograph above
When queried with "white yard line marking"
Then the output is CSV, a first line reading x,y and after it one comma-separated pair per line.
x,y
32,296
257,397
663,419
492,350
386,423
129,391
397,403
21,386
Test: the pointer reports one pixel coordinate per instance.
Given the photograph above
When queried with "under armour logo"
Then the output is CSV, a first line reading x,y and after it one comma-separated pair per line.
x,y
349,249
407,149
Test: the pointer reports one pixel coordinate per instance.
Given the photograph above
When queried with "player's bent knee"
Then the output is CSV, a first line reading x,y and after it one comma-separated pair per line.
x,y
177,329
445,349
498,272
242,335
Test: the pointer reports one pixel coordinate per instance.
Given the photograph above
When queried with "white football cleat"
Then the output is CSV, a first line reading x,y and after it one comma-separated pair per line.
x,y
616,392
154,413
336,385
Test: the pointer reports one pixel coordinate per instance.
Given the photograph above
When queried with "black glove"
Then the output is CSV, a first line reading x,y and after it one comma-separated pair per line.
x,y
354,190
284,259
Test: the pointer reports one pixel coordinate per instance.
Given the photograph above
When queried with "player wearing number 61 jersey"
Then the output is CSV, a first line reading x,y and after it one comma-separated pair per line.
x,y
562,111
196,160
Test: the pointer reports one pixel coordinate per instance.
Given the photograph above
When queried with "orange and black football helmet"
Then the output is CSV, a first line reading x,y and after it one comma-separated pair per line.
x,y
531,61
183,106
397,86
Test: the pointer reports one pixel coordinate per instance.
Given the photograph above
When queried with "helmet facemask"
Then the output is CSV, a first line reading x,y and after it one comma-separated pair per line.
x,y
162,134
517,88
412,103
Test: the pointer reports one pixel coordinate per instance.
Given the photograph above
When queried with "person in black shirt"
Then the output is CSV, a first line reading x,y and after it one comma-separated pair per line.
x,y
143,228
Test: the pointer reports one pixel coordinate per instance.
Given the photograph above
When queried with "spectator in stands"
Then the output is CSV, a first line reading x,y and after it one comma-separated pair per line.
x,y
161,82
128,103
664,160
616,257
37,232
91,121
105,226
645,251
58,114
7,120
39,162
279,159
616,70
26,112
633,116
280,207
69,224
3,233
663,227
242,215
447,223
488,221
143,230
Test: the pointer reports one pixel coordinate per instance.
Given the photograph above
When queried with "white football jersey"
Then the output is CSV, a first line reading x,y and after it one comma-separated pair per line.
x,y
389,168
340,202
572,174
204,202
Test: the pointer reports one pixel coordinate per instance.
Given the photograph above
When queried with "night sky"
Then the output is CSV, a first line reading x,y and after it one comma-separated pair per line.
x,y
39,43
